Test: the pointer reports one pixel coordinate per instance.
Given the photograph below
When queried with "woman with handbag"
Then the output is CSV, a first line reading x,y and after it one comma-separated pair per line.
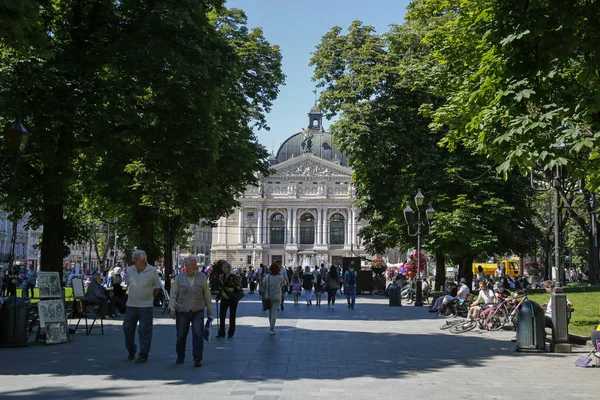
x,y
230,294
273,284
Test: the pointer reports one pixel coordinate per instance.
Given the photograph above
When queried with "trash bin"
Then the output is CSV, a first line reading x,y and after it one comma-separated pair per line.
x,y
13,323
395,296
531,334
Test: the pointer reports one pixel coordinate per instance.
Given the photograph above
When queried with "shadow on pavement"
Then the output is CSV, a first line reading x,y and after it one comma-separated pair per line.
x,y
62,392
373,340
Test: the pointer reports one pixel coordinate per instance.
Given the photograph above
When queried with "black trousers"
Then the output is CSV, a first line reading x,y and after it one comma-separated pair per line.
x,y
232,306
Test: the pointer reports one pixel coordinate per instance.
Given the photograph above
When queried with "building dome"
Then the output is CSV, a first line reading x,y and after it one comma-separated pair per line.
x,y
322,146
322,142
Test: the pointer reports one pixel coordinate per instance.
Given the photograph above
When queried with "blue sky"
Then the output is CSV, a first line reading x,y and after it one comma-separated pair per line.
x,y
297,27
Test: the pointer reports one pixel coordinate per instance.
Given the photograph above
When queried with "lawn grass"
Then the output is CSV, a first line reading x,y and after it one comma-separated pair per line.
x,y
587,310
36,294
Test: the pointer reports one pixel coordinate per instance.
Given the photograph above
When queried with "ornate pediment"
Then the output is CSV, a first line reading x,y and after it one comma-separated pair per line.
x,y
309,165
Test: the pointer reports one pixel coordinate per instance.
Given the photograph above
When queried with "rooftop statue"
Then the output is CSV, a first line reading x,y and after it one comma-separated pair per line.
x,y
307,138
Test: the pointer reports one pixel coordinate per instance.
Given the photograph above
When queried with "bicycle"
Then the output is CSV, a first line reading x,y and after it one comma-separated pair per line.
x,y
482,321
509,319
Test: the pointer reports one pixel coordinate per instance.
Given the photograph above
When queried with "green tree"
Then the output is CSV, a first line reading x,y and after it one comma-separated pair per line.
x,y
143,107
378,85
521,84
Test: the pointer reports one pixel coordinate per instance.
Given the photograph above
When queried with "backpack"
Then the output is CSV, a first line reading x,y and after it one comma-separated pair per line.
x,y
351,278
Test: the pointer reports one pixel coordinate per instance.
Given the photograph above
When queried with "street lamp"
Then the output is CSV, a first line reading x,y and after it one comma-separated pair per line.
x,y
14,140
408,216
560,329
171,220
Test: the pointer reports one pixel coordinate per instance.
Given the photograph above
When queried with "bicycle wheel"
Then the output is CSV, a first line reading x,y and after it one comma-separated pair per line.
x,y
466,326
494,323
449,324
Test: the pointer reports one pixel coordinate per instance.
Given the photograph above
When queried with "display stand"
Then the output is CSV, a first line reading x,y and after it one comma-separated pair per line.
x,y
53,325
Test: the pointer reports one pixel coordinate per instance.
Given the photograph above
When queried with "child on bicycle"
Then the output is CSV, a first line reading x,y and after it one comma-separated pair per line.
x,y
486,296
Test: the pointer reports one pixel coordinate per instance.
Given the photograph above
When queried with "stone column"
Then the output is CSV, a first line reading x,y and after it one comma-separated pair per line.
x,y
346,230
319,224
241,225
267,228
288,227
353,236
294,225
325,227
259,233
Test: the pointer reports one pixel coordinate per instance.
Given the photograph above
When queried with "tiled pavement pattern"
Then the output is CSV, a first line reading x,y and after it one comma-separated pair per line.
x,y
372,352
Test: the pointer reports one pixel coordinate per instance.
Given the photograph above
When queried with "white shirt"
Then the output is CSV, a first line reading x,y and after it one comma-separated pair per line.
x,y
487,296
549,307
463,292
141,286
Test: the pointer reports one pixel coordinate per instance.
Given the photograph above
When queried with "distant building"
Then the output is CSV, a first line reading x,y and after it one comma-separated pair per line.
x,y
25,244
302,214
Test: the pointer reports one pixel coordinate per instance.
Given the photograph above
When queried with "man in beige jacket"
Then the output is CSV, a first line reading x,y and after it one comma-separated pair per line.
x,y
190,295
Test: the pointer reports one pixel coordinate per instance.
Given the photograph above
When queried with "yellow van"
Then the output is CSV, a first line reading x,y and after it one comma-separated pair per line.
x,y
489,269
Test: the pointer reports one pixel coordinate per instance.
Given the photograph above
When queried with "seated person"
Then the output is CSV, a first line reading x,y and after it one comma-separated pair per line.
x,y
461,297
486,296
549,285
450,291
501,292
97,294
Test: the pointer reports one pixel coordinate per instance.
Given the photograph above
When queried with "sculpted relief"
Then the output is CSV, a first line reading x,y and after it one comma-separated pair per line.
x,y
308,168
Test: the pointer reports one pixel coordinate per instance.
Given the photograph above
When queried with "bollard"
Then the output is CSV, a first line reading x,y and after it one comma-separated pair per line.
x,y
560,329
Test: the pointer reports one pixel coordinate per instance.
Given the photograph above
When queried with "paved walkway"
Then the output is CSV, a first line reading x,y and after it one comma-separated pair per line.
x,y
372,352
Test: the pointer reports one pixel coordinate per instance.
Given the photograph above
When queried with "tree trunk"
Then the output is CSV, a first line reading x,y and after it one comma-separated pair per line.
x,y
53,247
440,270
146,240
465,269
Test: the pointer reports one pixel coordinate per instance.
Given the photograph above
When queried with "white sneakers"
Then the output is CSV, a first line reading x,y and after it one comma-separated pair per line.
x,y
272,332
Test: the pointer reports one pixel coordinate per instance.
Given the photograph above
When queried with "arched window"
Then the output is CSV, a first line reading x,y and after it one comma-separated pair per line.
x,y
315,123
307,229
277,230
336,229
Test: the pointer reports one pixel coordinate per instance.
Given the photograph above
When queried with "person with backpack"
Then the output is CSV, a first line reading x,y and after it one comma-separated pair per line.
x,y
350,286
252,281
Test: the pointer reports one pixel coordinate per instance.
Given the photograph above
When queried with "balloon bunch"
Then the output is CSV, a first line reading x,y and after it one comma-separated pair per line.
x,y
411,264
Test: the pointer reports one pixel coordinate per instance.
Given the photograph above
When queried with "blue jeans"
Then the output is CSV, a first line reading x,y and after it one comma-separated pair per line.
x,y
144,316
350,294
182,322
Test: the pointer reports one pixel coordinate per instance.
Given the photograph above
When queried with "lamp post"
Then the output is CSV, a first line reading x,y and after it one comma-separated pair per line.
x,y
171,221
14,139
560,329
408,215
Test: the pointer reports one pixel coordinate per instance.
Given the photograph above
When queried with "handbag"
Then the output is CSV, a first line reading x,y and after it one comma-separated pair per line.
x,y
236,296
266,299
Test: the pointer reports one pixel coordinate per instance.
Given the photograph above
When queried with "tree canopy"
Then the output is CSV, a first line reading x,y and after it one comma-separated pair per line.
x,y
141,108
379,84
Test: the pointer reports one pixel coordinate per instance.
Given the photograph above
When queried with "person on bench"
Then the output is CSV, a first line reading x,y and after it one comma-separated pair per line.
x,y
549,285
442,303
97,294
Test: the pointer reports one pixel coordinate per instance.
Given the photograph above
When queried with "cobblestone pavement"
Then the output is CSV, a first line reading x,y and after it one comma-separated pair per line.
x,y
372,352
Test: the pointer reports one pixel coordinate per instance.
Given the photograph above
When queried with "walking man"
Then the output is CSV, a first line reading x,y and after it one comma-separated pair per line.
x,y
143,285
190,295
350,286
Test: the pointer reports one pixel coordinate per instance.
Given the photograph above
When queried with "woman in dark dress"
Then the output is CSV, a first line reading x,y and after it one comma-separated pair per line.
x,y
307,285
230,284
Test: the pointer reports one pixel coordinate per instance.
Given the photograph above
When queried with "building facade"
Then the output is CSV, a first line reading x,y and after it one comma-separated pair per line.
x,y
26,241
199,244
301,214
